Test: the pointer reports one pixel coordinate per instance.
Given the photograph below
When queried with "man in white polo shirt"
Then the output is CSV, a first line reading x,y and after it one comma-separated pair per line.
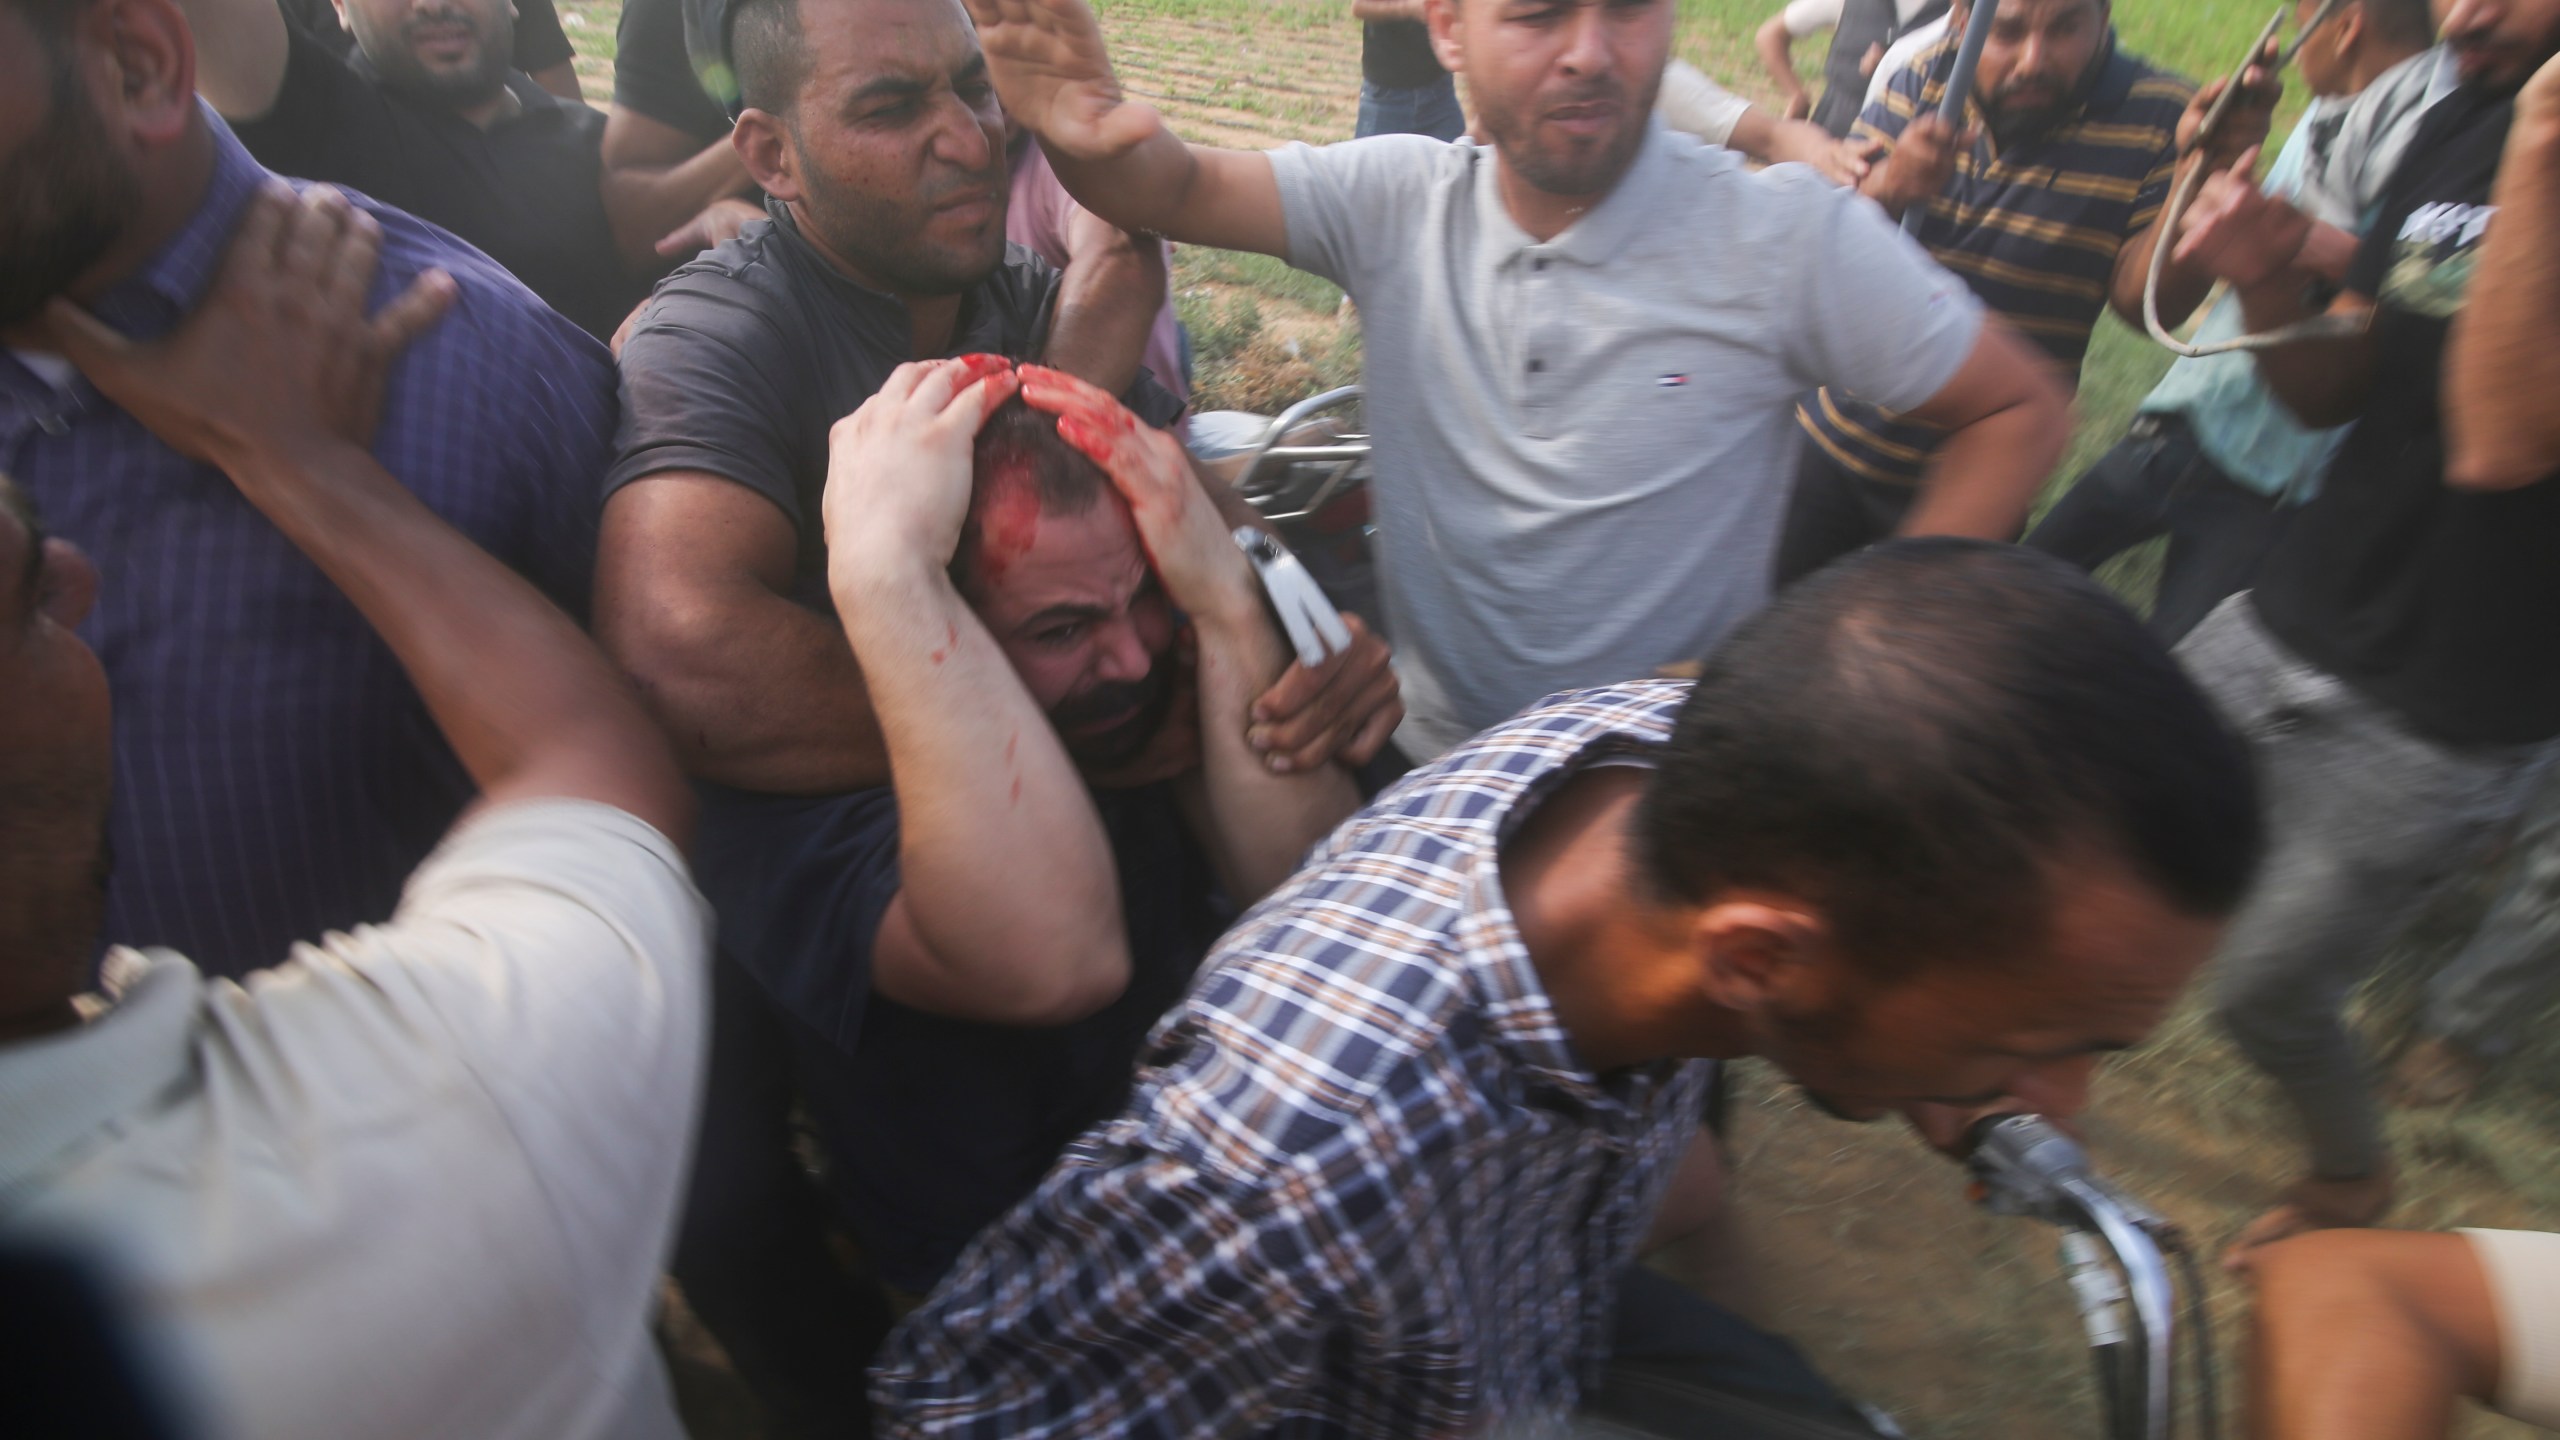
x,y
418,1178
1582,338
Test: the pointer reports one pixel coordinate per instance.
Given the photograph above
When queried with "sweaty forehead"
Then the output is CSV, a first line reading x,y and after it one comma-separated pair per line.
x,y
854,42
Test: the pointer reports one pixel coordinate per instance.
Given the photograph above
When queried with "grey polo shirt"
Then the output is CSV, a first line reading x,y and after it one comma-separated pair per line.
x,y
1583,447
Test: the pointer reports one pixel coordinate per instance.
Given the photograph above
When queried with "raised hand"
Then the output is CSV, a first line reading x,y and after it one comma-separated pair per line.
x,y
2237,232
2244,126
1922,163
1193,549
281,355
898,469
1050,68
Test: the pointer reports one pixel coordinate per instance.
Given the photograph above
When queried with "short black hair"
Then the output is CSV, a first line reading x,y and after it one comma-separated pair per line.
x,y
1913,737
1018,448
768,57
2407,22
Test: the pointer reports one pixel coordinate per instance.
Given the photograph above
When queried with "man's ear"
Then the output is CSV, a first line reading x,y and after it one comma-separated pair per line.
x,y
151,99
1760,953
763,140
1448,22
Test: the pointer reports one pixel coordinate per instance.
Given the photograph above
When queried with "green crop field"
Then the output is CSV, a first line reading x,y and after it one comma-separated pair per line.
x,y
1853,1240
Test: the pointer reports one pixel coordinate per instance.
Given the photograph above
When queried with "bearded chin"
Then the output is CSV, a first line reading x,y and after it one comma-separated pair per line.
x,y
64,202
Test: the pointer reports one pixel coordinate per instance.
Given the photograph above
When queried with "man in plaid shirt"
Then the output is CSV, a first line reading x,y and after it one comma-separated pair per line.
x,y
1932,831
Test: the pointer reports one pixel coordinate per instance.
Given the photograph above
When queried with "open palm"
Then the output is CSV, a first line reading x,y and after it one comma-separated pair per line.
x,y
1049,65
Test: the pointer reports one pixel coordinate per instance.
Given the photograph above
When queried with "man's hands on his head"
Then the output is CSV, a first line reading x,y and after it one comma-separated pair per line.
x,y
280,358
1340,711
1050,68
898,469
2237,232
1194,553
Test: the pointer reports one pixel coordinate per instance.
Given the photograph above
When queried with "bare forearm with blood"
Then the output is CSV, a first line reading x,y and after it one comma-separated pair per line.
x,y
1008,881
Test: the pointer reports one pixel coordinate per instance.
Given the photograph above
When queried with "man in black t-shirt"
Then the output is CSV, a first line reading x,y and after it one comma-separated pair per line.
x,y
2399,662
433,117
543,50
1403,89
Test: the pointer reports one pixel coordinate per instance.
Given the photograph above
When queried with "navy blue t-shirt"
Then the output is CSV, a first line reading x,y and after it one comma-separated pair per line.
x,y
934,1127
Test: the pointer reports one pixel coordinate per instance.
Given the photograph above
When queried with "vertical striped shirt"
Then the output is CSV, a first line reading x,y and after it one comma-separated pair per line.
x,y
2034,228
1362,1186
276,775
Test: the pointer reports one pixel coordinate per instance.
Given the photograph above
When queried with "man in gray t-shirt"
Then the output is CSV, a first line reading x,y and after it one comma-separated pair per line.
x,y
1583,336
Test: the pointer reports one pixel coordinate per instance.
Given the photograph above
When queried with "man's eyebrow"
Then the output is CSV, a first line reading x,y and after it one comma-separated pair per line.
x,y
970,69
1056,613
887,87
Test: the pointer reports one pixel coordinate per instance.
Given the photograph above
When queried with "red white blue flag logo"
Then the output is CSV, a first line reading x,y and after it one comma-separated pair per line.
x,y
1669,381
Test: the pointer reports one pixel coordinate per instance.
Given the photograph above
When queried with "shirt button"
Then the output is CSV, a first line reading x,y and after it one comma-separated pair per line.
x,y
1537,366
1539,264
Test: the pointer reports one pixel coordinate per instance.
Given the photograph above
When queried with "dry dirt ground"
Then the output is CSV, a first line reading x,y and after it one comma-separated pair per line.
x,y
1853,1240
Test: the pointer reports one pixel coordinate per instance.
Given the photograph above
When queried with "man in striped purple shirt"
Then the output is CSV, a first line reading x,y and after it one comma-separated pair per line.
x,y
278,776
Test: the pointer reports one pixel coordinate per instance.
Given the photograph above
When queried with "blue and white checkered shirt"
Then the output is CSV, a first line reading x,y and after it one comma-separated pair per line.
x,y
276,775
1363,1186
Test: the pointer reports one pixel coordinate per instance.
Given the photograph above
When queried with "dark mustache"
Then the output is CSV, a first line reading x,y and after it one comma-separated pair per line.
x,y
1112,699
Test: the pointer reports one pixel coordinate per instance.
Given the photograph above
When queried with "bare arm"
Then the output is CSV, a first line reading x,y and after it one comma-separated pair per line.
x,y
1108,300
1776,49
1778,141
693,577
241,47
1260,821
560,80
2008,421
2368,1334
1386,9
2242,235
1009,904
2502,430
657,179
1114,154
276,379
2232,145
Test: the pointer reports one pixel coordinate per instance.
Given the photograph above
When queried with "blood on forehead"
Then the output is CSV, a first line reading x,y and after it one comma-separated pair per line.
x,y
1005,513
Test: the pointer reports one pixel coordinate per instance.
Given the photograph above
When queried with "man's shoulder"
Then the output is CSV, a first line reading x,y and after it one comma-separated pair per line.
x,y
2146,93
495,321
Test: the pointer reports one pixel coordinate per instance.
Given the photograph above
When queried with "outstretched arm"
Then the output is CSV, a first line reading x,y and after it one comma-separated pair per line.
x,y
1009,906
2242,235
1115,154
277,379
1261,821
2501,429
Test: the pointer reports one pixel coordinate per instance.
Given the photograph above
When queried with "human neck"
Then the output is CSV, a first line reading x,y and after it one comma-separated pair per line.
x,y
2372,63
1617,968
931,319
172,187
1542,213
502,104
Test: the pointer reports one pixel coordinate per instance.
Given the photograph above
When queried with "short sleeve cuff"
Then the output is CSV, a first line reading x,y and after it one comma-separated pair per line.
x,y
2523,1270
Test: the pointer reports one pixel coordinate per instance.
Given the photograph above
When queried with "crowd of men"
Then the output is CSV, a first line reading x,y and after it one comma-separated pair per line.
x,y
587,696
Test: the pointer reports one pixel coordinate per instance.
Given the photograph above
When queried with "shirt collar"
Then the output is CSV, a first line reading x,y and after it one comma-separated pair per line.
x,y
153,298
1520,1018
58,1090
884,316
1605,228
